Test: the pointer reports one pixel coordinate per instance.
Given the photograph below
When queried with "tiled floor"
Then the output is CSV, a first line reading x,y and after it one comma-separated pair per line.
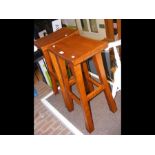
x,y
105,121
45,123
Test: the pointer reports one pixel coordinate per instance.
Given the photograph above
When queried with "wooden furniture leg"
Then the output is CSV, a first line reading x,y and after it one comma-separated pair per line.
x,y
109,27
54,84
89,85
65,78
119,28
101,72
50,70
69,105
83,98
70,67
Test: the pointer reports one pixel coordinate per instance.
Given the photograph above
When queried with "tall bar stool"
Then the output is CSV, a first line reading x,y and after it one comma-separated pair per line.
x,y
44,44
76,50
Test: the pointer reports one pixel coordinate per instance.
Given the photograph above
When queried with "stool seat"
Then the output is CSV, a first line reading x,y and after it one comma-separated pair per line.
x,y
51,38
77,49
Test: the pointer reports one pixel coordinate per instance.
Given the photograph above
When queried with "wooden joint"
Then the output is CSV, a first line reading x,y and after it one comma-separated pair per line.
x,y
95,92
94,82
74,97
71,81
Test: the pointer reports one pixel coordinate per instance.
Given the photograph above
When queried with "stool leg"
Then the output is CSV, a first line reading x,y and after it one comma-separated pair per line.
x,y
101,72
65,78
70,66
69,105
83,98
54,84
89,85
53,79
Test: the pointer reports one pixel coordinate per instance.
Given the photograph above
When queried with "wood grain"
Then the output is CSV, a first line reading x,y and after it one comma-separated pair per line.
x,y
69,105
77,49
64,75
83,98
101,72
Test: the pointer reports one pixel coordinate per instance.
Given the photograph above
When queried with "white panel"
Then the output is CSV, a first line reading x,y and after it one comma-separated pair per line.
x,y
56,25
41,33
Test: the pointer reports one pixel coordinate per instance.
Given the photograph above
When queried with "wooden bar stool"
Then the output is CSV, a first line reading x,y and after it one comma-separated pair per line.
x,y
44,44
76,50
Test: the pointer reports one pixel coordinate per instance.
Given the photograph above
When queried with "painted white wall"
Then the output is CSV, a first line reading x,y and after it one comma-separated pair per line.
x,y
68,22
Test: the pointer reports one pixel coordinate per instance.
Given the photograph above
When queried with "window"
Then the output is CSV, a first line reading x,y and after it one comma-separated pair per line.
x,y
84,24
93,25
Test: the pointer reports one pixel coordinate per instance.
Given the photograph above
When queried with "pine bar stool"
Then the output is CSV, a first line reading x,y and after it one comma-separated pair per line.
x,y
76,50
44,44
